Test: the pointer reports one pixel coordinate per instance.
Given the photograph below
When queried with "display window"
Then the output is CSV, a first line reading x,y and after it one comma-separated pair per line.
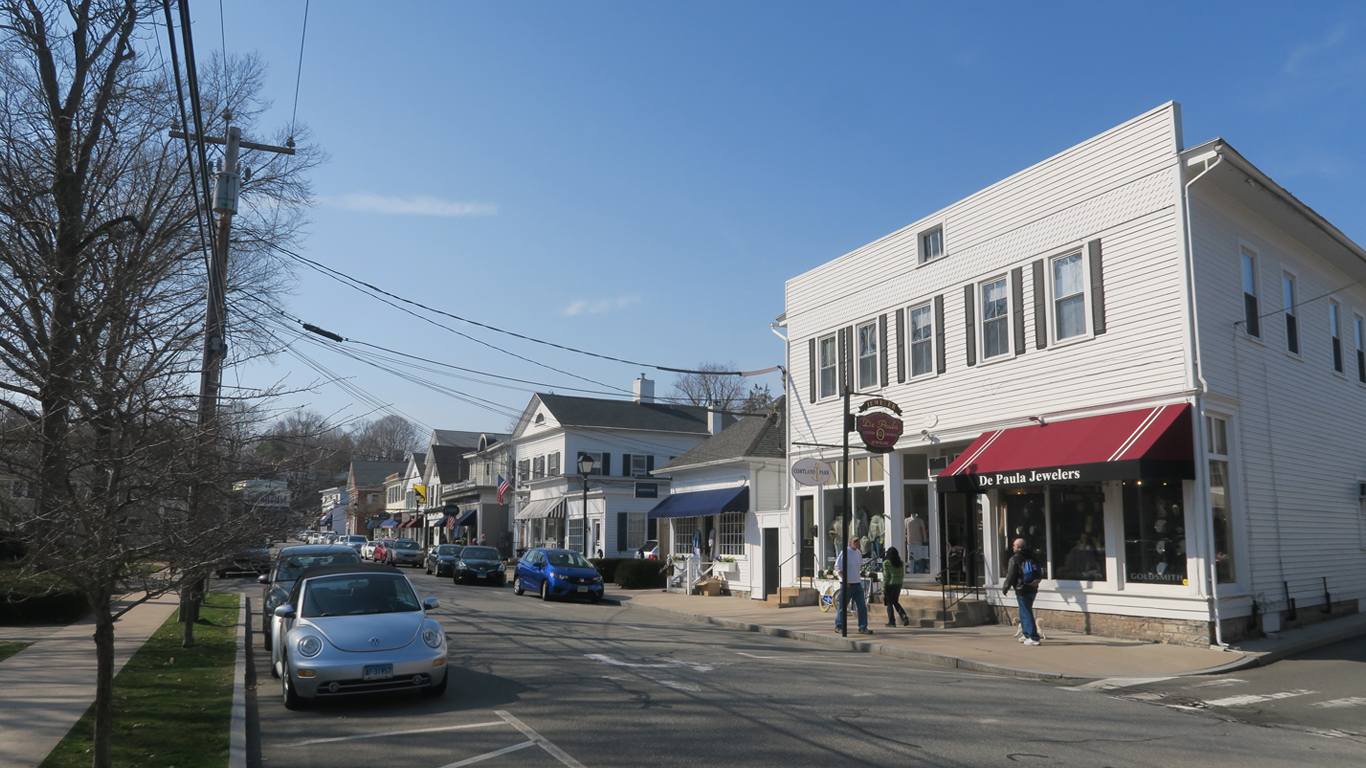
x,y
1024,518
917,540
1154,532
1077,526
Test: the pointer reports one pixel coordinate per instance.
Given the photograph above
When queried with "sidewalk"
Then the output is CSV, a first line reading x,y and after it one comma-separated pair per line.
x,y
47,687
991,648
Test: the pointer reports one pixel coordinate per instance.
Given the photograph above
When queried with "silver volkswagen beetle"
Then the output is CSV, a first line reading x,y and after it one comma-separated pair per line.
x,y
356,628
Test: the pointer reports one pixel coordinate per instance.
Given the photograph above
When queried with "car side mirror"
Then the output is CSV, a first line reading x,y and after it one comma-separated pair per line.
x,y
285,611
263,578
430,604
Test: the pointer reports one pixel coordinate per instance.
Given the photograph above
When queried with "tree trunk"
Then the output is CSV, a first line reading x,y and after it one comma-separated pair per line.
x,y
104,684
189,610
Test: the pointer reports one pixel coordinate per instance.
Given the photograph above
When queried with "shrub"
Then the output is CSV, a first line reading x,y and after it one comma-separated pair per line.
x,y
607,566
640,574
38,599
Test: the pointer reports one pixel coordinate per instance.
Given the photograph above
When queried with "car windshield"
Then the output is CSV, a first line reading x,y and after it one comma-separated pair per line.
x,y
292,566
358,594
480,553
448,549
568,560
356,539
405,544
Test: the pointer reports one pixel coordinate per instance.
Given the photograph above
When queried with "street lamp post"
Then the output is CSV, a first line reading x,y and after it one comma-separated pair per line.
x,y
586,464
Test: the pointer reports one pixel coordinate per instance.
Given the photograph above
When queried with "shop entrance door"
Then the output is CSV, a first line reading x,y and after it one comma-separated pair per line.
x,y
771,562
806,505
960,540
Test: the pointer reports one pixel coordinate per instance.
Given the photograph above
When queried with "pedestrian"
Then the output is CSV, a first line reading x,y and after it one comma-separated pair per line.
x,y
893,575
668,571
483,539
851,587
1025,592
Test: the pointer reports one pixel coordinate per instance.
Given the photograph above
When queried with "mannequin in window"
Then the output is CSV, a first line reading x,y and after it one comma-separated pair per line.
x,y
877,529
860,529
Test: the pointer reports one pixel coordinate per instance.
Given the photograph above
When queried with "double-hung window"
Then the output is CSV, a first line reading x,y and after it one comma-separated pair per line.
x,y
1361,348
639,465
1251,322
932,245
1069,296
538,467
995,318
1335,328
524,470
867,356
552,465
1292,327
922,340
828,356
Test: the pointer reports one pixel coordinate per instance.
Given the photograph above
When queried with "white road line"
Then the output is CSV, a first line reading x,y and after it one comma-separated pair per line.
x,y
790,659
1354,701
677,686
554,751
396,733
671,664
1115,683
488,755
1242,701
1220,683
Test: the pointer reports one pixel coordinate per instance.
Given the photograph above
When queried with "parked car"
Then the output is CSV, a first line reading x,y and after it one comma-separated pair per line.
x,y
367,550
441,560
253,559
356,628
354,541
648,551
404,552
557,573
381,549
291,562
480,565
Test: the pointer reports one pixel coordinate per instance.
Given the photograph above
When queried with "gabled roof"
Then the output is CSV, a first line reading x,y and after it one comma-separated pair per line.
x,y
446,459
597,413
467,440
758,436
371,474
420,460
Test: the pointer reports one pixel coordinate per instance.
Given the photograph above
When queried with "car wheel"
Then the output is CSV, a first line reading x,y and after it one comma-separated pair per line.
x,y
439,689
292,699
517,586
545,589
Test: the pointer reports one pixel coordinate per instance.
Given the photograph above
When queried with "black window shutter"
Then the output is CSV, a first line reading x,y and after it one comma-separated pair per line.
x,y
621,531
968,294
849,356
941,359
811,353
625,465
1017,307
900,346
606,464
652,529
649,464
1040,307
840,372
882,346
1097,288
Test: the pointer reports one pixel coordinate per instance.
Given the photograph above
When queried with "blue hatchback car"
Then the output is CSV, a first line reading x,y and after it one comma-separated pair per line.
x,y
557,573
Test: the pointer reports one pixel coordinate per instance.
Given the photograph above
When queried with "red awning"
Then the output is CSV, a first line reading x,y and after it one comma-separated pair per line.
x,y
1149,443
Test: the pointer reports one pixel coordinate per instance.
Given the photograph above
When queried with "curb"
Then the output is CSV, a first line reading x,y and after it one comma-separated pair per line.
x,y
237,738
1264,658
958,662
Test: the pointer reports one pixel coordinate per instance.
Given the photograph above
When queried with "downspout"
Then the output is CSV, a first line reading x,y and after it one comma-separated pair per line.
x,y
1202,388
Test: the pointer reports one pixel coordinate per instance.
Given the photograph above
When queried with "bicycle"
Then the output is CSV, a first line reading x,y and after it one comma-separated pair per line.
x,y
828,598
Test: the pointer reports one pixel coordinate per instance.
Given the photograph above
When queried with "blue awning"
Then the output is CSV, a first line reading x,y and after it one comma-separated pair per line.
x,y
327,519
700,503
467,518
390,523
372,524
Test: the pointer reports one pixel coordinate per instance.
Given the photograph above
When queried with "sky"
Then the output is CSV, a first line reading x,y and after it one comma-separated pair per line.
x,y
638,179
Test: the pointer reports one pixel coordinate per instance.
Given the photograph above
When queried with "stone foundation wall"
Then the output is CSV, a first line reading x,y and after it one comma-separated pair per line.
x,y
1174,631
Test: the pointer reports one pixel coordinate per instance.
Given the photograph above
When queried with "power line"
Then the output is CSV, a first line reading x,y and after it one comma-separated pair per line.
x,y
201,211
496,329
298,75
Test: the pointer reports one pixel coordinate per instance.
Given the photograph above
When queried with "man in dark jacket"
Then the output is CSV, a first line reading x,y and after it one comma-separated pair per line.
x,y
1024,593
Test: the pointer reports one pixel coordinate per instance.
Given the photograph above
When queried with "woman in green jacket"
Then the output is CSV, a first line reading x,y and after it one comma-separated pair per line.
x,y
893,574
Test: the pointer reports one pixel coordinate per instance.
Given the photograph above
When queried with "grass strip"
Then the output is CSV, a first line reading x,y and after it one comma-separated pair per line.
x,y
172,705
9,649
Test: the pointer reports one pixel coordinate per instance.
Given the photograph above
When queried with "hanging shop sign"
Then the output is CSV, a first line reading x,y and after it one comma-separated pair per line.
x,y
811,472
879,424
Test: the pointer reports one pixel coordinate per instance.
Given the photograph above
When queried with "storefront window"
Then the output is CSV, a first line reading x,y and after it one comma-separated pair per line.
x,y
1154,533
917,541
683,528
870,521
1024,519
1078,529
1223,521
732,539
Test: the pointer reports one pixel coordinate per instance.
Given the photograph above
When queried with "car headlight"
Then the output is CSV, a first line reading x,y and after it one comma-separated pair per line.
x,y
462,566
555,575
310,646
597,579
432,637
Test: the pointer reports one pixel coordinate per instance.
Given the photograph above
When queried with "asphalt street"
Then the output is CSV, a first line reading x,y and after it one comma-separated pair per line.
x,y
567,683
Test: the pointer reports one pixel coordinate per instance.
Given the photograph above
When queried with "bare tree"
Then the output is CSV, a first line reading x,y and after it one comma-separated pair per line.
x,y
714,388
101,292
388,438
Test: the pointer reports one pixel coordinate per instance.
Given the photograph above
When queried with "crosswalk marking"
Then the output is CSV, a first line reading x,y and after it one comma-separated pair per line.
x,y
1354,701
1242,701
1115,683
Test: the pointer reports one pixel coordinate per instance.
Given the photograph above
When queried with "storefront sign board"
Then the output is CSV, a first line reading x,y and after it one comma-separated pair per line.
x,y
811,472
879,424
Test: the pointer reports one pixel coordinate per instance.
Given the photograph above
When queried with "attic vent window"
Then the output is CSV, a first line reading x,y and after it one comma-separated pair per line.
x,y
540,418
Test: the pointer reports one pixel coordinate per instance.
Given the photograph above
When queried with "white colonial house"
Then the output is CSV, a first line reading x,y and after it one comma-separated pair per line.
x,y
729,494
626,439
1144,359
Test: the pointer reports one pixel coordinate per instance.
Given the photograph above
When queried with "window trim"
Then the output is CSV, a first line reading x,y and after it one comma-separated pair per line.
x,y
980,321
833,338
644,460
1292,312
921,259
859,384
1246,250
1085,292
911,375
1338,355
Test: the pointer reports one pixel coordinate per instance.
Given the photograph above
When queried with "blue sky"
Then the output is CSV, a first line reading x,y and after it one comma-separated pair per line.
x,y
639,179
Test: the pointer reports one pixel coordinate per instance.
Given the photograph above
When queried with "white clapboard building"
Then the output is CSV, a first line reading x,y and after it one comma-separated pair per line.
x,y
1144,359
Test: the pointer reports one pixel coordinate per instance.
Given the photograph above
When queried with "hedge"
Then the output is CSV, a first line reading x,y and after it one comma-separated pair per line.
x,y
38,600
640,574
607,566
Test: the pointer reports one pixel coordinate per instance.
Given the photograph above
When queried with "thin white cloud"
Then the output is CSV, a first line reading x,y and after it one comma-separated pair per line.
x,y
598,306
1337,35
412,205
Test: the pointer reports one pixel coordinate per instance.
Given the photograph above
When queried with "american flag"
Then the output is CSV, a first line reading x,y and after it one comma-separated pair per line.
x,y
503,487
450,522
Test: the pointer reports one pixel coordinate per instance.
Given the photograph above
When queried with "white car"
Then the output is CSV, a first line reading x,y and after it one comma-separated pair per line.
x,y
367,550
353,629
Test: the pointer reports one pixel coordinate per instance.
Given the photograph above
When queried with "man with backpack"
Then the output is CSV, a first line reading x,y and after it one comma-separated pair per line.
x,y
1024,575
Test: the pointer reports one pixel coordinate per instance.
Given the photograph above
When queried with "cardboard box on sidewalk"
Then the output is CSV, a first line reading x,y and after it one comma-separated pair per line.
x,y
709,588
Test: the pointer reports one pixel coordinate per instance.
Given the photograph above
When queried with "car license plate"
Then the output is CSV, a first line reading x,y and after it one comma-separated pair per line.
x,y
378,672
583,589
483,575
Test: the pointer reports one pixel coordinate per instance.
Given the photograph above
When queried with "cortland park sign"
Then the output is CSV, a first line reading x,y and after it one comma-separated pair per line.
x,y
811,472
879,424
